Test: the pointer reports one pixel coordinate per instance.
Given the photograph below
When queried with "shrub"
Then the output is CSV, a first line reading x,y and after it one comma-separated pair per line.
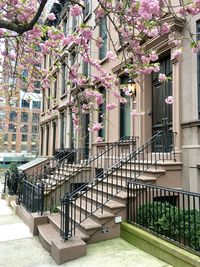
x,y
172,222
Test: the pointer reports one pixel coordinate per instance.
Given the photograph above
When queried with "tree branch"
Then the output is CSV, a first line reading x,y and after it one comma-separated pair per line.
x,y
21,28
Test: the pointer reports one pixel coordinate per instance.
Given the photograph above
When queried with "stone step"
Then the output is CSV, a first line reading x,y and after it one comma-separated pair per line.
x,y
111,206
60,251
55,221
47,234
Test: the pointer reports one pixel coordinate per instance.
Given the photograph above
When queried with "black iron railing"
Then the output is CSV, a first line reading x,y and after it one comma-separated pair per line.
x,y
70,176
168,213
108,182
12,182
31,196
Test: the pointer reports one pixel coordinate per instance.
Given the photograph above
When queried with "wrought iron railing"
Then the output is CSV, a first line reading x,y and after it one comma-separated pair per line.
x,y
31,196
109,182
66,174
168,213
80,171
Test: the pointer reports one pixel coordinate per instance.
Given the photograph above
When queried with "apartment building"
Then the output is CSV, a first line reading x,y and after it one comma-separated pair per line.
x,y
148,98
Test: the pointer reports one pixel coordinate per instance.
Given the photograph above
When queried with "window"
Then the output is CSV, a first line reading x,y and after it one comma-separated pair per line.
x,y
24,129
63,77
104,36
45,61
86,11
125,117
43,101
13,147
24,117
102,113
48,98
55,84
24,137
35,118
13,116
85,69
35,129
5,137
37,84
14,136
11,128
36,105
25,103
74,23
65,27
34,138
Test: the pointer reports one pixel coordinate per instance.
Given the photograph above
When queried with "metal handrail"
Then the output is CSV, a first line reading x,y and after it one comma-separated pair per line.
x,y
39,176
137,155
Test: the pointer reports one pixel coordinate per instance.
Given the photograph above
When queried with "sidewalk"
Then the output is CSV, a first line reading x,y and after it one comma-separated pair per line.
x,y
18,248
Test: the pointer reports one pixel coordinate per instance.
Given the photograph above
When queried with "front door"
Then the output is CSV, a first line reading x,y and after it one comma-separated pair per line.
x,y
162,112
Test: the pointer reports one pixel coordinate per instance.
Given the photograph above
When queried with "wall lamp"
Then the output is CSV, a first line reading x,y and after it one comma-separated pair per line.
x,y
132,87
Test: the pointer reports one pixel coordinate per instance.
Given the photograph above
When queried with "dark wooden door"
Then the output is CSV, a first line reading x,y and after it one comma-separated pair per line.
x,y
162,112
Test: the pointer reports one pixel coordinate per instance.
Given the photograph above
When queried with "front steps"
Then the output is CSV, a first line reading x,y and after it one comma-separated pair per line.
x,y
101,225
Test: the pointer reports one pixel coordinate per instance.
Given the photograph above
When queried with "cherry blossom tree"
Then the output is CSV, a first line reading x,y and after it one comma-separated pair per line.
x,y
136,22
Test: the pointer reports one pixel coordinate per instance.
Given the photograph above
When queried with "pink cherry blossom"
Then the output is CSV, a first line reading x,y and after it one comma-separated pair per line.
x,y
176,54
110,55
162,77
134,113
96,127
76,10
111,106
169,100
99,139
51,16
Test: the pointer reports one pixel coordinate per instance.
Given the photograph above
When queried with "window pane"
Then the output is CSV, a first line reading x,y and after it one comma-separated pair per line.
x,y
34,138
24,129
24,117
86,10
35,129
13,116
24,137
103,35
5,137
11,128
14,137
25,103
36,105
35,118
63,77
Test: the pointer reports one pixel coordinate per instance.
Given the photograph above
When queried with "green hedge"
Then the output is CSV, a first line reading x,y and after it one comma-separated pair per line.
x,y
167,220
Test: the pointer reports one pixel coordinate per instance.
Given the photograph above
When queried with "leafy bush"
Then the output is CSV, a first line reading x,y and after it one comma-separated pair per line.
x,y
168,220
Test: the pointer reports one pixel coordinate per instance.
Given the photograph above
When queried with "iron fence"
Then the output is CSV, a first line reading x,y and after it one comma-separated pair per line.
x,y
31,196
168,213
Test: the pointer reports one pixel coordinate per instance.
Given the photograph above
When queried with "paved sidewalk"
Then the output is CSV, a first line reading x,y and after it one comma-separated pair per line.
x,y
18,248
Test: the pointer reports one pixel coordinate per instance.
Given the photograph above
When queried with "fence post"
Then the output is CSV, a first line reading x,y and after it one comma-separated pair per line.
x,y
65,227
41,198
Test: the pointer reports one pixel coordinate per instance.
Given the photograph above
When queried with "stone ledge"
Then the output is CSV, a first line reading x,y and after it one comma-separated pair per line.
x,y
157,247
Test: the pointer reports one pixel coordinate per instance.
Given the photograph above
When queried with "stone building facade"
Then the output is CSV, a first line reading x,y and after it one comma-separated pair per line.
x,y
181,118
